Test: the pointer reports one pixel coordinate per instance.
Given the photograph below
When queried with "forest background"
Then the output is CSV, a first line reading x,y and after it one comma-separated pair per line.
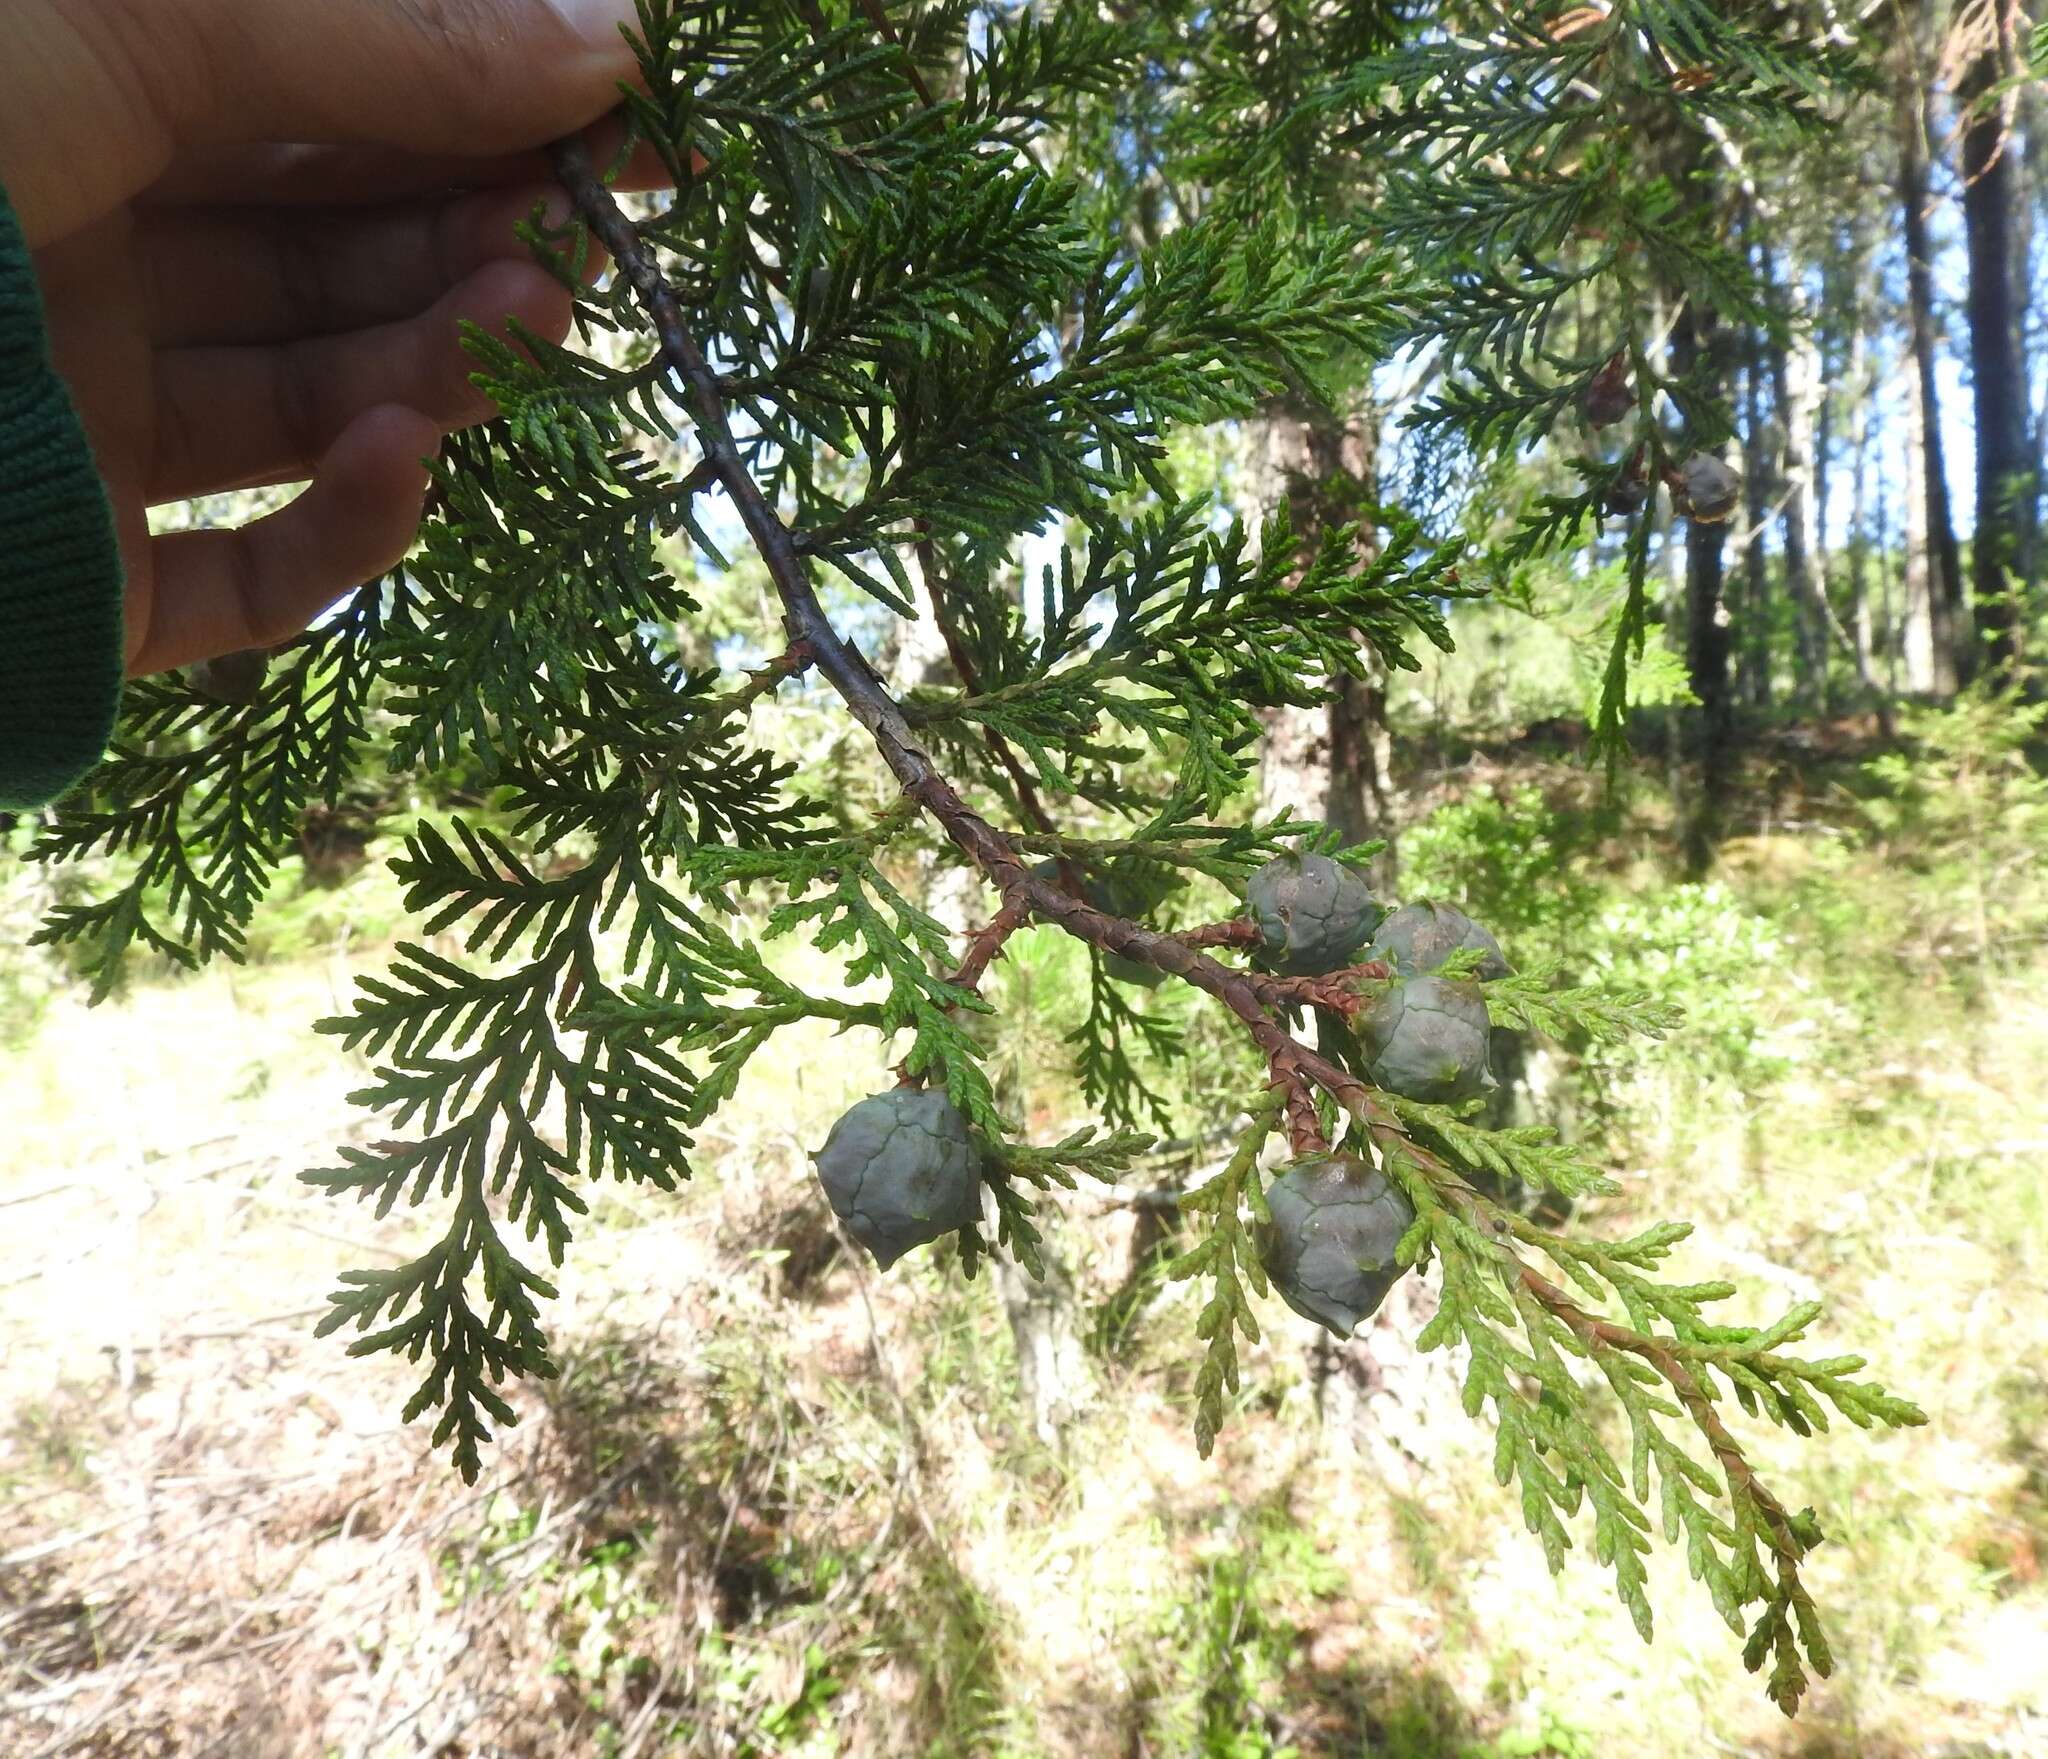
x,y
779,1504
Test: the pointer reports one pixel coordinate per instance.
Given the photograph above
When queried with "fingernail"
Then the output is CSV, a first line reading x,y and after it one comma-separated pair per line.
x,y
597,22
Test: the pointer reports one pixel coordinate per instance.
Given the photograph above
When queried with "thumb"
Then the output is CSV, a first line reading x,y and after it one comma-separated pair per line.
x,y
440,76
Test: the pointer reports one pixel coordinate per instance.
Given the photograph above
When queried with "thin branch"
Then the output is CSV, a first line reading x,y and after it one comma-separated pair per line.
x,y
887,31
1237,932
1342,992
762,681
1305,1133
987,942
1597,1333
1599,1336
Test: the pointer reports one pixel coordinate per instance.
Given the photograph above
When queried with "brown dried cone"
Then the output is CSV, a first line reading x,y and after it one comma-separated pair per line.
x,y
1329,1247
1608,396
1707,489
235,677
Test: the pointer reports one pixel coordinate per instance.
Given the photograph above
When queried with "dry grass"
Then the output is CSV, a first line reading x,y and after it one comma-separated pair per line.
x,y
778,1505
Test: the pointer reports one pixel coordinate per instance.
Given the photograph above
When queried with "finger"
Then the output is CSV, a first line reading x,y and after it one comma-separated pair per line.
x,y
114,94
296,174
82,119
221,591
431,76
234,275
236,417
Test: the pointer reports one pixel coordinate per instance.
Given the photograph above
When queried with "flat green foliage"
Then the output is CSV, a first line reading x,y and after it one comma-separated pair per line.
x,y
1173,633
207,803
1533,1003
1087,1153
1235,1202
929,347
1738,1542
1529,1154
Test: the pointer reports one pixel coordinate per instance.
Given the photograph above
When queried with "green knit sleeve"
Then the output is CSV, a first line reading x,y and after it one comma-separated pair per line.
x,y
60,563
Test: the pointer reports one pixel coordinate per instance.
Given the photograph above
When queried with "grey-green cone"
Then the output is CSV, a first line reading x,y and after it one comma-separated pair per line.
x,y
1329,1249
1312,914
1427,1039
1418,938
901,1170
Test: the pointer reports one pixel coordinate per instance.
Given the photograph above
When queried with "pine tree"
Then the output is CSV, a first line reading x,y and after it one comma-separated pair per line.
x,y
872,340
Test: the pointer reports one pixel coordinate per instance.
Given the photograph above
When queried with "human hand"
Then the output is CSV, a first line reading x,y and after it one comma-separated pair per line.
x,y
258,224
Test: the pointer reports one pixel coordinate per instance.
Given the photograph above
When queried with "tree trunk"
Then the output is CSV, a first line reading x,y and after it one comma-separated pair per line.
x,y
1860,626
1331,762
1795,380
1053,1372
2005,473
1671,565
1706,662
1698,335
1943,573
1824,446
1919,651
1360,798
1891,615
1754,673
2033,193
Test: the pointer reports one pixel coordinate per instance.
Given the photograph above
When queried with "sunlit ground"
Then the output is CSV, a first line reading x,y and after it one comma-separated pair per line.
x,y
781,1505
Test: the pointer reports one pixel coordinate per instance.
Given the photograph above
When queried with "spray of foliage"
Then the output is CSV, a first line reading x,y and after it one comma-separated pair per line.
x,y
870,335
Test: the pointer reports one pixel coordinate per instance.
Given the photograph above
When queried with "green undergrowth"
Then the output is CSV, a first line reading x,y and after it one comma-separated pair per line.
x,y
801,1555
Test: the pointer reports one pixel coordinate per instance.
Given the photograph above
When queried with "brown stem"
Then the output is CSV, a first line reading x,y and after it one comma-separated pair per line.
x,y
1595,1333
572,988
1736,1472
986,942
1237,932
1304,1124
795,658
887,32
1339,991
